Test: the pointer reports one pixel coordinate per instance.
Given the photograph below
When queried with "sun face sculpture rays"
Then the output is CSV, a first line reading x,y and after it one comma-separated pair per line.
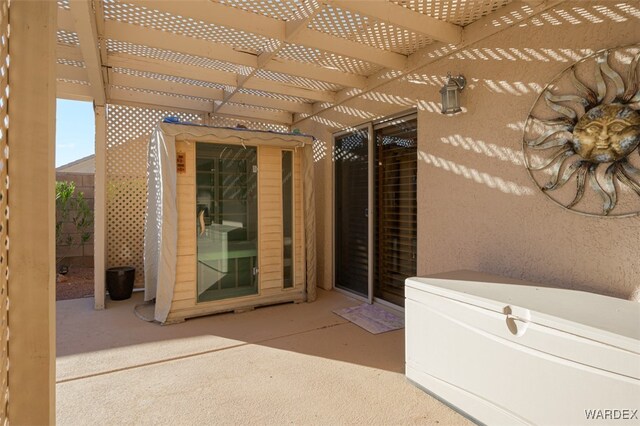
x,y
581,147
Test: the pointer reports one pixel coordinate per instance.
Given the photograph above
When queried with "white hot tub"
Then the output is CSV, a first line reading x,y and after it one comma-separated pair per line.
x,y
510,354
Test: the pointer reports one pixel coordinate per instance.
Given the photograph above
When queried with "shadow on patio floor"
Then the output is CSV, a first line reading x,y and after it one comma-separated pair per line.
x,y
308,328
282,364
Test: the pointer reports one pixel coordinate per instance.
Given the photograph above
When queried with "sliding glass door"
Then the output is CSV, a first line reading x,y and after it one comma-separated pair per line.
x,y
375,209
352,212
396,160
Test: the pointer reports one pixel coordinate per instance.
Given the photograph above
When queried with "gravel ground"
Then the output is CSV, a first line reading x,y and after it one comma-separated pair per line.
x,y
76,284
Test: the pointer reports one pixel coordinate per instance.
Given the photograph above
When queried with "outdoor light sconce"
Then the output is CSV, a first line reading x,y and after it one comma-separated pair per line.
x,y
451,94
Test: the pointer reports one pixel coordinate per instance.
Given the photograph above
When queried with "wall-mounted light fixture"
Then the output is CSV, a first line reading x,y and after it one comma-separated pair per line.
x,y
451,94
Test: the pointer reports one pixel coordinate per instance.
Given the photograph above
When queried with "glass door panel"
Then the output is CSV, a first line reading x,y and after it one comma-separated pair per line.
x,y
227,221
396,208
351,212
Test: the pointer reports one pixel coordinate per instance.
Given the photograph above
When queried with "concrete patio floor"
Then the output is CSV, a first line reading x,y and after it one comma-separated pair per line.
x,y
295,364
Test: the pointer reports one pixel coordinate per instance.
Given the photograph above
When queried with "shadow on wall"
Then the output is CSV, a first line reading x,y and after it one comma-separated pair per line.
x,y
491,181
579,16
522,235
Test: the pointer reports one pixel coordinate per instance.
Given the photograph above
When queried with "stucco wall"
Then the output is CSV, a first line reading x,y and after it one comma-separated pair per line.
x,y
477,206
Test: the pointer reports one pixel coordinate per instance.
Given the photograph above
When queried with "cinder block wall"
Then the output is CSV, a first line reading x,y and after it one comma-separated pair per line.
x,y
75,255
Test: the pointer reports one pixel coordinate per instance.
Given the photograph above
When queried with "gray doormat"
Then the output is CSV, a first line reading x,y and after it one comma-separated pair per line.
x,y
372,318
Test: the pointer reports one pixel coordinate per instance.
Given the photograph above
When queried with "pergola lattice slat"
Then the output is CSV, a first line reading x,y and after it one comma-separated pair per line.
x,y
274,29
218,14
187,55
85,24
482,28
402,17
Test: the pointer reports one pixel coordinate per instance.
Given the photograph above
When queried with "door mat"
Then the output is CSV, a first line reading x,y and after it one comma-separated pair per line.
x,y
372,318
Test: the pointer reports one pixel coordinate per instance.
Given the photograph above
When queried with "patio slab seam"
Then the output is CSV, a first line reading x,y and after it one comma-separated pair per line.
x,y
196,354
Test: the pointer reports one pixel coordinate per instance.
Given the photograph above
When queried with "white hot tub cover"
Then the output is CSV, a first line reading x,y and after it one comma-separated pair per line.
x,y
161,221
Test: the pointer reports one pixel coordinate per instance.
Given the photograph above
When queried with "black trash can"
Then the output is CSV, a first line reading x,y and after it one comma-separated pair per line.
x,y
120,282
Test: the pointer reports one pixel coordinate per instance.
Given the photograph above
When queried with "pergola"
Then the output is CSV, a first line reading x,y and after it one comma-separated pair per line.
x,y
269,65
269,61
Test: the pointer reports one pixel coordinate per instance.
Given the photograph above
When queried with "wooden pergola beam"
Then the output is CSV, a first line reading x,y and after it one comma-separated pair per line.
x,y
348,48
66,21
74,92
69,72
119,94
257,114
175,88
141,63
402,17
301,69
275,29
263,101
69,52
517,12
171,87
85,25
285,89
218,14
123,60
164,40
291,28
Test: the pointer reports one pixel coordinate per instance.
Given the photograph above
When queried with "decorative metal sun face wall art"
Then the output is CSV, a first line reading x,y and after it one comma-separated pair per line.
x,y
582,135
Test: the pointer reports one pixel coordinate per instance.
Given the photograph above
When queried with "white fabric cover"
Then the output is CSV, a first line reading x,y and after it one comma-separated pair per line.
x,y
161,225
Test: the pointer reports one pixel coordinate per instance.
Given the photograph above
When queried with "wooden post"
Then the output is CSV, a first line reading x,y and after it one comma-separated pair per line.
x,y
32,109
100,209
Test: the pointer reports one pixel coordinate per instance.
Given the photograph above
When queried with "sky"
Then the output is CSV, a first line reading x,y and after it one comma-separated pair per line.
x,y
75,131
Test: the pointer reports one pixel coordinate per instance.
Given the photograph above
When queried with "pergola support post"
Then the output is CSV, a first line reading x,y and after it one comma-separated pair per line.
x,y
32,265
100,208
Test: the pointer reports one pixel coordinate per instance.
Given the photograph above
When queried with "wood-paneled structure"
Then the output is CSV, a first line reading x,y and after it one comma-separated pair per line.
x,y
270,242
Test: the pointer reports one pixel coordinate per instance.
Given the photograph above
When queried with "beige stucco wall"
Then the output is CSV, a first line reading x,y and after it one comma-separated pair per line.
x,y
477,206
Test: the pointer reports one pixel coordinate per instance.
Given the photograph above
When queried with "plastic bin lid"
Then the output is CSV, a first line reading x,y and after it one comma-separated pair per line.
x,y
605,319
